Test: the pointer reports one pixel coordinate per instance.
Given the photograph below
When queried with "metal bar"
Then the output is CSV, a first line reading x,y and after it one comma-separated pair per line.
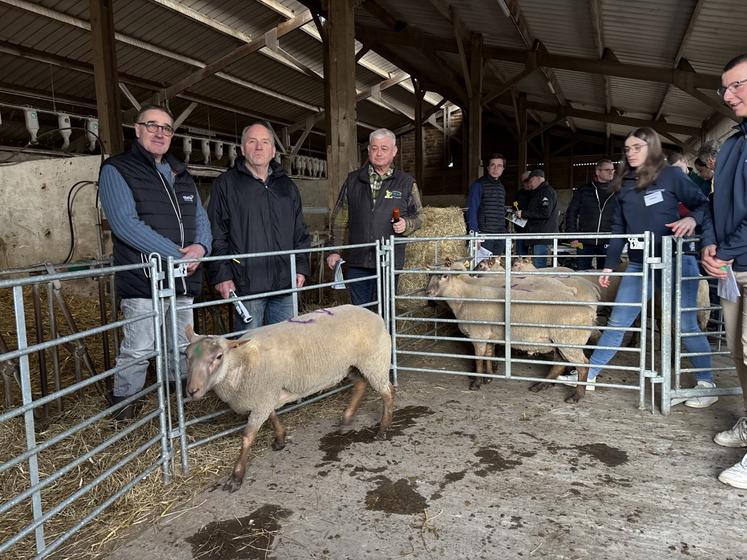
x,y
294,294
56,349
28,417
103,317
41,354
666,326
158,348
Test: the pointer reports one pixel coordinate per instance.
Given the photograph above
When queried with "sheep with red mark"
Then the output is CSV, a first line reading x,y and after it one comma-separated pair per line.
x,y
281,363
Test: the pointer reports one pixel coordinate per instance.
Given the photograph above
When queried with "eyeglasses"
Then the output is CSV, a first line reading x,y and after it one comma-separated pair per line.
x,y
152,127
635,148
732,87
611,169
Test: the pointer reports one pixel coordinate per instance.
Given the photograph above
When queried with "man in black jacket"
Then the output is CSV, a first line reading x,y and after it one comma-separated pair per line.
x,y
590,211
256,208
368,201
541,215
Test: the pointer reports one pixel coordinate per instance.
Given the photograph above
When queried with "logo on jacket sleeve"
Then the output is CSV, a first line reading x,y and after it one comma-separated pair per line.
x,y
545,201
393,194
188,198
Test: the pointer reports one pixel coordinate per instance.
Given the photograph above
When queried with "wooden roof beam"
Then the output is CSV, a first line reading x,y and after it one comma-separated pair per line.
x,y
614,118
240,52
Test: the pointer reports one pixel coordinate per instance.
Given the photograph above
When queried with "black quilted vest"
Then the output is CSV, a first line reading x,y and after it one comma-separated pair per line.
x,y
156,205
491,215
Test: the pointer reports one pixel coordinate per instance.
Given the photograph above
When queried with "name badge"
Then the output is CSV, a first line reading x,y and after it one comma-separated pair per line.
x,y
653,198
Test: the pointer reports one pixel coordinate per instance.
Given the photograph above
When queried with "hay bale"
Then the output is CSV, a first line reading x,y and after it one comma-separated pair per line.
x,y
437,222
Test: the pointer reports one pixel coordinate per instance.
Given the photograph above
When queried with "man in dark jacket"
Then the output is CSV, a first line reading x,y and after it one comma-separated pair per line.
x,y
365,210
153,206
725,247
486,204
541,215
256,208
590,211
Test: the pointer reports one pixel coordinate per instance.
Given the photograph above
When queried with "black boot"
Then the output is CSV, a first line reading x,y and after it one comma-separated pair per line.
x,y
123,414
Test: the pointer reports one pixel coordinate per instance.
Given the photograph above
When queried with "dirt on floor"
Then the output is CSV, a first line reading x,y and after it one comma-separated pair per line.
x,y
496,473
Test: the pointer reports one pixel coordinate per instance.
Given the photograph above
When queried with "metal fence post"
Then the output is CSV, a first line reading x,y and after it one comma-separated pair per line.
x,y
665,329
28,416
155,277
391,302
294,294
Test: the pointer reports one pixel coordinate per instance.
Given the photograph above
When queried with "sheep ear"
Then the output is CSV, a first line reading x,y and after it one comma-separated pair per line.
x,y
236,343
191,334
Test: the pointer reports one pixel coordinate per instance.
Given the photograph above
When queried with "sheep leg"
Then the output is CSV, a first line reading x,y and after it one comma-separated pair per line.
x,y
387,396
554,372
578,394
489,365
355,400
239,470
479,362
279,429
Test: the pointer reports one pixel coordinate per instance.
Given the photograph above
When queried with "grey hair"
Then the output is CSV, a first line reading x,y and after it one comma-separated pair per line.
x,y
601,162
257,123
708,150
382,133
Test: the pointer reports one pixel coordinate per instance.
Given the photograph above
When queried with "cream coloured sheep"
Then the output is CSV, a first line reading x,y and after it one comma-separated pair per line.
x,y
532,339
281,363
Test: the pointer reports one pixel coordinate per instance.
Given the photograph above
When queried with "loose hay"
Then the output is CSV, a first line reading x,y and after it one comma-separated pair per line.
x,y
150,499
437,222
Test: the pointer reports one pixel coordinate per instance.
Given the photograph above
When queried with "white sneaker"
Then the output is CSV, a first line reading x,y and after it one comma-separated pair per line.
x,y
736,437
572,380
702,402
736,476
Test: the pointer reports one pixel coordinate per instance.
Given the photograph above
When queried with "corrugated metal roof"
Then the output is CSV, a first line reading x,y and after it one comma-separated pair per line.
x,y
162,41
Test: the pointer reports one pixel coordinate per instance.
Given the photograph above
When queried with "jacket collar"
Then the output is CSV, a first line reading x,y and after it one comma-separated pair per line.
x,y
145,156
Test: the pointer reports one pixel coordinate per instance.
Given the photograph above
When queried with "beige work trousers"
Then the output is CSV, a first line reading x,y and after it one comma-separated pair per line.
x,y
735,314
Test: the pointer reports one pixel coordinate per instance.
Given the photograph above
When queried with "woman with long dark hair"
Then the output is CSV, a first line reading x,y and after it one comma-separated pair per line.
x,y
648,194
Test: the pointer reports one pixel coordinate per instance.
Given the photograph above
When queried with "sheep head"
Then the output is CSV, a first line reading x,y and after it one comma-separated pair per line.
x,y
206,356
523,264
438,283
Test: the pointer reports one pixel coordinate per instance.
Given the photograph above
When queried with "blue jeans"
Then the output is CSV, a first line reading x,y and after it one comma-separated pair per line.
x,y
630,292
521,248
265,311
539,255
585,262
495,246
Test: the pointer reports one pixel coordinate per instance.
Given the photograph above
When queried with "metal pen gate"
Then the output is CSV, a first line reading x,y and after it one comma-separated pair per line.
x,y
411,326
33,480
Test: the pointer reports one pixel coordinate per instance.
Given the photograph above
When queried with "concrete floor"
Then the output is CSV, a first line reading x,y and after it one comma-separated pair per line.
x,y
499,473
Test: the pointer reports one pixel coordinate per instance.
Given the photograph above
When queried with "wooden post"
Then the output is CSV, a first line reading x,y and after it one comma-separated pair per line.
x,y
521,110
419,94
474,126
106,76
340,95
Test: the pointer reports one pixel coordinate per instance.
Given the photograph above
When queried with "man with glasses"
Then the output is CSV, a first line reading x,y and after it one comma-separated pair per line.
x,y
152,204
725,247
590,211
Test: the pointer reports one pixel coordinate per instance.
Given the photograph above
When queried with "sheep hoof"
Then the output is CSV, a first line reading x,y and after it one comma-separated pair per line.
x,y
574,398
380,436
537,387
232,485
487,380
278,445
474,385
